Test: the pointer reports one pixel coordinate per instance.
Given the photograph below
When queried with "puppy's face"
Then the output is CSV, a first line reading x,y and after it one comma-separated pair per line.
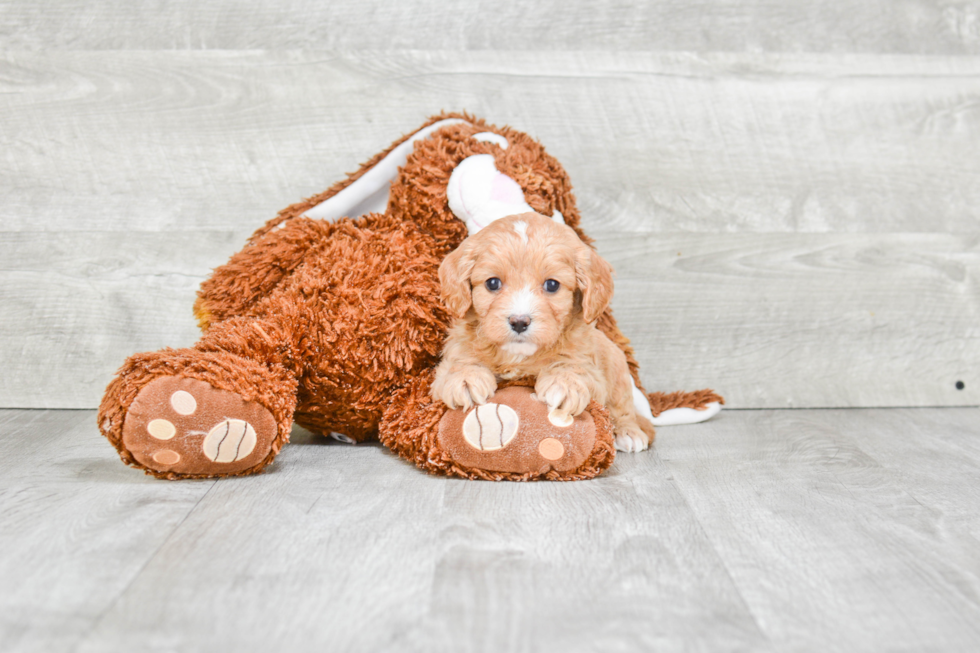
x,y
523,280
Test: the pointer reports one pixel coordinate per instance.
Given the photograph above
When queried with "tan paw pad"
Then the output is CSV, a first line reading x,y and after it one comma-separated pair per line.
x,y
161,429
551,449
183,402
166,457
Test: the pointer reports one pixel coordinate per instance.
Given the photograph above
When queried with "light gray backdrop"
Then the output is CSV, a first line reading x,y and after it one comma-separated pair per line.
x,y
790,195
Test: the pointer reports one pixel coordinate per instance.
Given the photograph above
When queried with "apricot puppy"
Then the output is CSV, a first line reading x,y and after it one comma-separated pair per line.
x,y
526,292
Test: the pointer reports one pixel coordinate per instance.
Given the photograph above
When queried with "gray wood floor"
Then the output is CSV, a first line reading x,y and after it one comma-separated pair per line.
x,y
793,530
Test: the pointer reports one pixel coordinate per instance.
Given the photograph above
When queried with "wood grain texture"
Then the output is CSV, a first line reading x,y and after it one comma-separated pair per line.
x,y
352,549
830,530
769,320
75,304
816,530
127,176
160,141
76,527
804,320
911,26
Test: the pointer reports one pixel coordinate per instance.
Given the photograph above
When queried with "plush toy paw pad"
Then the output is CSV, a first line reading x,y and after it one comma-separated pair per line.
x,y
166,457
512,433
490,427
161,429
560,419
551,449
187,426
229,441
183,402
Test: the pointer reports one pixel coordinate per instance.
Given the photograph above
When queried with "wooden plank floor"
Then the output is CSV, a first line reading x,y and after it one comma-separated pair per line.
x,y
794,530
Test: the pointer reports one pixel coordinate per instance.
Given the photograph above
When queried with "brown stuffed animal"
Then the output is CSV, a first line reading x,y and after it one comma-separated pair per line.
x,y
331,317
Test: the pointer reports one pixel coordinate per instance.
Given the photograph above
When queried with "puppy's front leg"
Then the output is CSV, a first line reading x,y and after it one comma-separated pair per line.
x,y
567,389
463,386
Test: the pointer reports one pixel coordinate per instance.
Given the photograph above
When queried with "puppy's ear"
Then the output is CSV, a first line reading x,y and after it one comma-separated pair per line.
x,y
594,277
454,276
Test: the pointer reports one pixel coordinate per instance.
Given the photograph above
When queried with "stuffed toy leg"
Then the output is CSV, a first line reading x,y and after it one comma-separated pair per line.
x,y
330,317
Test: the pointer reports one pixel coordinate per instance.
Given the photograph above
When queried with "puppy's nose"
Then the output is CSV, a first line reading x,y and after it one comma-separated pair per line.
x,y
519,323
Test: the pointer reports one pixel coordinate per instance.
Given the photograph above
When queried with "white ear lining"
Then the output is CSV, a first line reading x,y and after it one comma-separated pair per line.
x,y
672,416
369,194
478,193
490,137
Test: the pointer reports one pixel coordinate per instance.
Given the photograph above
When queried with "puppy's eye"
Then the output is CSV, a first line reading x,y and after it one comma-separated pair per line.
x,y
551,285
493,284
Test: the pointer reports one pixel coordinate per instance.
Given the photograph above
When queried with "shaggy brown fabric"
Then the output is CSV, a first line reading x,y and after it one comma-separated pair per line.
x,y
699,400
338,324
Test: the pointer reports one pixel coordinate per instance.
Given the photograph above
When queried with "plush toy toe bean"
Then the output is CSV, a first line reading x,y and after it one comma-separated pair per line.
x,y
508,438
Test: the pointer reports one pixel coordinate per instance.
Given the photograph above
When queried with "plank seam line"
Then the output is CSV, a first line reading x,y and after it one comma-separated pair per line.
x,y
721,561
726,409
139,572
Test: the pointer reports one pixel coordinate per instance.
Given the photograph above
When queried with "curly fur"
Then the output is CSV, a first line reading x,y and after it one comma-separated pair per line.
x,y
522,328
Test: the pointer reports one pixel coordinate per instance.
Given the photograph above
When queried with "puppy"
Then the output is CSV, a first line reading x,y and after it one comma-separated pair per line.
x,y
526,292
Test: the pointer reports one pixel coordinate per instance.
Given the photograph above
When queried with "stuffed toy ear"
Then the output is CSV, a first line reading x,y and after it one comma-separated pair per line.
x,y
454,276
594,277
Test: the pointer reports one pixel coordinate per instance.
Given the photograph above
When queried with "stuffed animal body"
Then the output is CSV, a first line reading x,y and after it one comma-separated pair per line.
x,y
331,317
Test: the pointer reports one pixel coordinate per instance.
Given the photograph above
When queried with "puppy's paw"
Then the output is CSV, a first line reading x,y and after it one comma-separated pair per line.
x,y
468,386
631,438
564,392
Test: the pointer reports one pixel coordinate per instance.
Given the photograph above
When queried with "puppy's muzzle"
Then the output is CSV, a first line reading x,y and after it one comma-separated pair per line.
x,y
519,323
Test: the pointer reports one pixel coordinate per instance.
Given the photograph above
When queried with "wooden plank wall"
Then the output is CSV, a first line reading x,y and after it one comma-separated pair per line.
x,y
789,193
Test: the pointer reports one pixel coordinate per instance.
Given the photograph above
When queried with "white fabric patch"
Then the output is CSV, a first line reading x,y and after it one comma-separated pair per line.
x,y
490,137
558,217
479,193
229,441
640,401
560,419
676,416
369,194
490,427
673,416
340,437
161,429
183,402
